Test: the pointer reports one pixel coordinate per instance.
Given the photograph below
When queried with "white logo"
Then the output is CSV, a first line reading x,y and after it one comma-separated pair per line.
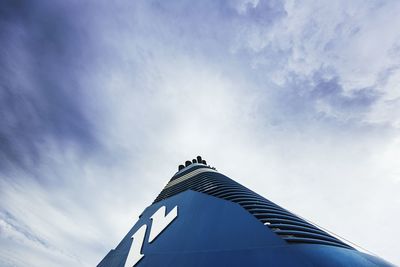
x,y
160,221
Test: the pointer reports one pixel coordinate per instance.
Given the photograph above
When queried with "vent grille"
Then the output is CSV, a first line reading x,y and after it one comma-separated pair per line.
x,y
288,226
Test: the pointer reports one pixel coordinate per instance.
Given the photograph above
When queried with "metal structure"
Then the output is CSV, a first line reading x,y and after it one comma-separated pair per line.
x,y
204,218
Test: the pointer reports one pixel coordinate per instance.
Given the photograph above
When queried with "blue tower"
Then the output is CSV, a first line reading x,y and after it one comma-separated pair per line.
x,y
204,218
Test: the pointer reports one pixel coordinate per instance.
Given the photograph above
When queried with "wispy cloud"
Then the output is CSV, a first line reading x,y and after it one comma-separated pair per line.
x,y
100,102
42,91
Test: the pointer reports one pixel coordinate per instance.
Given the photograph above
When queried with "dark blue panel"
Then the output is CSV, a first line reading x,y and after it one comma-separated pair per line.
x,y
209,231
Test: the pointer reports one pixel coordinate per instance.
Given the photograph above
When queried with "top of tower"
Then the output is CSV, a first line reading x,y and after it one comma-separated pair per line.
x,y
198,161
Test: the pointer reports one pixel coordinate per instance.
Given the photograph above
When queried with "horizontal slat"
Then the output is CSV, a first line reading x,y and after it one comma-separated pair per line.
x,y
295,227
188,175
314,241
306,235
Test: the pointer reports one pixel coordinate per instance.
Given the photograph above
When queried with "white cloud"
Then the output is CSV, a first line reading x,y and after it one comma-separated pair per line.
x,y
354,41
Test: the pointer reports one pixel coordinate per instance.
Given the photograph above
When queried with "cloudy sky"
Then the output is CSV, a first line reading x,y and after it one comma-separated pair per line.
x,y
100,101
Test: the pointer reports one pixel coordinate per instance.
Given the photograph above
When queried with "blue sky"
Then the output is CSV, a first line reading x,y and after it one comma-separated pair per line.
x,y
100,102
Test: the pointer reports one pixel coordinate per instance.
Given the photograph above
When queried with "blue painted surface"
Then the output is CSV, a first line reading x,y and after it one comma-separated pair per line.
x,y
214,232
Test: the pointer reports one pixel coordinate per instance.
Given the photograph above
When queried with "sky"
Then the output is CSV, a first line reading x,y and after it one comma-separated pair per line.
x,y
100,101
